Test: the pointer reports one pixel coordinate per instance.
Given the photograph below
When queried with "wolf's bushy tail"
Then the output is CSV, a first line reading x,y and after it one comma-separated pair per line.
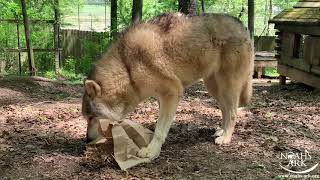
x,y
246,92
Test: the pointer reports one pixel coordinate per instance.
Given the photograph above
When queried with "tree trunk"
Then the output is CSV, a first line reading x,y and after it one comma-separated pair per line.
x,y
114,19
203,6
2,66
193,8
19,46
184,6
189,7
270,15
137,11
251,17
58,63
32,68
79,17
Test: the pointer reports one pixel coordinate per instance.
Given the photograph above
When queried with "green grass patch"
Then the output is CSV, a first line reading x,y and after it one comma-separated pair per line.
x,y
271,72
70,77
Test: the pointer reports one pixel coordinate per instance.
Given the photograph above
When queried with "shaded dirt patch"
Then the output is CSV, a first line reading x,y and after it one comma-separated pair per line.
x,y
42,134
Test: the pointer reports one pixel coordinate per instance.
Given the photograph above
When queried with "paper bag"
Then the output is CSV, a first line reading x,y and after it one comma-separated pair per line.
x,y
128,138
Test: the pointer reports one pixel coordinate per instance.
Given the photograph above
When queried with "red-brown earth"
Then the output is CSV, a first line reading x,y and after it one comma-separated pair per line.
x,y
42,134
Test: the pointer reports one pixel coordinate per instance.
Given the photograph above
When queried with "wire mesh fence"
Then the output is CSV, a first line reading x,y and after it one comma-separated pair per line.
x,y
88,17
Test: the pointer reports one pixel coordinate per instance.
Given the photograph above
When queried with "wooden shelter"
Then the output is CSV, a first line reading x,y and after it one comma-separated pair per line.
x,y
298,42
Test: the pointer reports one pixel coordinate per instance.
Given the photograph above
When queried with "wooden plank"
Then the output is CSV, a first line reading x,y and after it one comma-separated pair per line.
x,y
316,70
298,75
298,16
307,5
259,71
278,48
264,43
25,50
311,50
282,80
300,29
296,63
32,21
266,54
287,44
266,59
265,63
278,41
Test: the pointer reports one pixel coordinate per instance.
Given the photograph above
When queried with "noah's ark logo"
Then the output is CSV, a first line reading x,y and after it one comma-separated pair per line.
x,y
297,162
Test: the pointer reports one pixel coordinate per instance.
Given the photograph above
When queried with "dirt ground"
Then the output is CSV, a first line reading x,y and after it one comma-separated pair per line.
x,y
42,134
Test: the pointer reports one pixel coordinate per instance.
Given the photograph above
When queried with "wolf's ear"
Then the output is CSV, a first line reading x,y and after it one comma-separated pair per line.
x,y
92,88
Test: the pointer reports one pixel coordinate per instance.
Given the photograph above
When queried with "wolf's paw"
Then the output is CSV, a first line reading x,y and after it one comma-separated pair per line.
x,y
223,139
151,152
219,132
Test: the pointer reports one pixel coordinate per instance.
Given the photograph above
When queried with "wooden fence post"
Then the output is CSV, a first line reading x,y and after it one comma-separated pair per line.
x,y
203,6
32,69
114,19
251,17
137,11
193,8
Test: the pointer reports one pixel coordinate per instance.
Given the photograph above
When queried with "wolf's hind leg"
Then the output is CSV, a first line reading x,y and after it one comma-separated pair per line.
x,y
227,92
212,88
229,106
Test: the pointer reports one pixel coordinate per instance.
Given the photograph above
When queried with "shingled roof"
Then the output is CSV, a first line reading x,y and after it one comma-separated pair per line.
x,y
305,12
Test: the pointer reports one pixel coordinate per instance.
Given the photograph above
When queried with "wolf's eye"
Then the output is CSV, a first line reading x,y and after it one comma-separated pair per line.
x,y
90,118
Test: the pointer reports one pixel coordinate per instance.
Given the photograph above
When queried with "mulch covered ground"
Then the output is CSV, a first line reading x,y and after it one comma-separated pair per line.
x,y
42,134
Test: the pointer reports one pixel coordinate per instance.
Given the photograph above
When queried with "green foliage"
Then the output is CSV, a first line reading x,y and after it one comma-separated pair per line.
x,y
42,35
92,51
68,72
262,11
8,8
43,61
151,8
72,76
271,72
50,75
124,15
43,9
69,76
70,64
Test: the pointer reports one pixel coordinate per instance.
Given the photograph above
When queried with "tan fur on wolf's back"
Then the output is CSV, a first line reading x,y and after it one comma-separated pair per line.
x,y
160,58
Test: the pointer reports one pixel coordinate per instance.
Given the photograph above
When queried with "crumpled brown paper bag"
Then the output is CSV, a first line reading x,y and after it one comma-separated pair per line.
x,y
128,138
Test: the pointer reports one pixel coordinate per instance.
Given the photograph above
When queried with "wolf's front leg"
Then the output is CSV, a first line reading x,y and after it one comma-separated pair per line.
x,y
168,107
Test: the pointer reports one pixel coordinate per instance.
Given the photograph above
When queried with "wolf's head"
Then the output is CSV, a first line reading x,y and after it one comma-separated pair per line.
x,y
95,105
